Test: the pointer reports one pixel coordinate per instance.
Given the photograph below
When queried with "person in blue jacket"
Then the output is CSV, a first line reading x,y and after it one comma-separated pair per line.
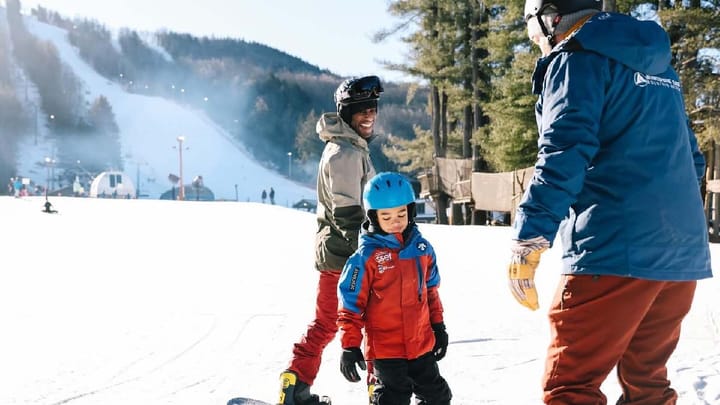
x,y
618,176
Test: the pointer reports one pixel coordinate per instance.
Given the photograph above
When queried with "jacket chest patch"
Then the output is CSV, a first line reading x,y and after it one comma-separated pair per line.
x,y
384,261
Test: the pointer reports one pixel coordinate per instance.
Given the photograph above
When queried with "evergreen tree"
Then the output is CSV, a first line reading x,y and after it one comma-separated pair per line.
x,y
308,145
12,118
698,66
510,141
101,117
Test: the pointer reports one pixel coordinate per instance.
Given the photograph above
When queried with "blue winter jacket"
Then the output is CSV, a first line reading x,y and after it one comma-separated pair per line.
x,y
618,170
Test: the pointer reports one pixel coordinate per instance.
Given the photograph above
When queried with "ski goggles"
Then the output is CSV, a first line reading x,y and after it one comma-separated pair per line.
x,y
365,88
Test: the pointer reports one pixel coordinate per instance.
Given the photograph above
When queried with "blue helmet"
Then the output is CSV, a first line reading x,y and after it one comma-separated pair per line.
x,y
388,190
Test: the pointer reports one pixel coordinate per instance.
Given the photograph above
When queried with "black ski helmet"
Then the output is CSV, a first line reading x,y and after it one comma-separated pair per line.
x,y
535,8
356,94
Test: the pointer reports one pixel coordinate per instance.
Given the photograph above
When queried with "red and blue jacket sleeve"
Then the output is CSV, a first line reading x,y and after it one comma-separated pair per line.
x,y
433,282
353,291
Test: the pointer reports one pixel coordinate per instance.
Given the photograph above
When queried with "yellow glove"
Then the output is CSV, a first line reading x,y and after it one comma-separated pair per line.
x,y
521,272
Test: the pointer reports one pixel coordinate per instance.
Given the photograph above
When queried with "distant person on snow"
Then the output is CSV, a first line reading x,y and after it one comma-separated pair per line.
x,y
48,208
17,186
344,169
272,196
617,162
263,196
407,337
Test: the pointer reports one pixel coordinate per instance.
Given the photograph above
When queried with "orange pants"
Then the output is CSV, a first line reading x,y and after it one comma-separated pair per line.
x,y
307,353
599,322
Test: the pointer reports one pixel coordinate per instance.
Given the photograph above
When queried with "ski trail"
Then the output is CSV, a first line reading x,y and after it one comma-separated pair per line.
x,y
153,370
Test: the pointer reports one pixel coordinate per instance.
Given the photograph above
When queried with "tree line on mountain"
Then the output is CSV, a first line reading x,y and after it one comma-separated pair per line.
x,y
11,110
260,95
472,58
87,126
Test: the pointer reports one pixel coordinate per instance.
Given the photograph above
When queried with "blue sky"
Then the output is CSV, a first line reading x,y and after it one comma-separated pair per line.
x,y
332,34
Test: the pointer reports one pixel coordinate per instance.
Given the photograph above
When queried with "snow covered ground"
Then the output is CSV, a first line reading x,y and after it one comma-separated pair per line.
x,y
149,128
191,303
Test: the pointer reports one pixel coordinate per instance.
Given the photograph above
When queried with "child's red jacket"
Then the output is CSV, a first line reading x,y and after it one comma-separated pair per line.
x,y
390,288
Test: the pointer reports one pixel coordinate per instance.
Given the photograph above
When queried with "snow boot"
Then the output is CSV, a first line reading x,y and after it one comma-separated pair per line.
x,y
296,392
371,390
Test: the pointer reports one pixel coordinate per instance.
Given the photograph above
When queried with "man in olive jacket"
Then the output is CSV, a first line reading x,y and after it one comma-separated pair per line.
x,y
345,167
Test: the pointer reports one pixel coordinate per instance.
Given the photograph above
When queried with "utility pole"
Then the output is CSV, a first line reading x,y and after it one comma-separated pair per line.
x,y
35,107
137,186
181,192
289,164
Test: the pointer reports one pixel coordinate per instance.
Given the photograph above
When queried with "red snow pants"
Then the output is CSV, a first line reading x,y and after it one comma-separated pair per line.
x,y
307,353
599,322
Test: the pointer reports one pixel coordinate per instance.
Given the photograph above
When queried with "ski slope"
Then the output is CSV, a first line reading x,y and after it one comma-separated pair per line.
x,y
149,130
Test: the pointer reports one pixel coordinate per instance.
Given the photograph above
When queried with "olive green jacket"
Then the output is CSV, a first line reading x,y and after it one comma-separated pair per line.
x,y
345,167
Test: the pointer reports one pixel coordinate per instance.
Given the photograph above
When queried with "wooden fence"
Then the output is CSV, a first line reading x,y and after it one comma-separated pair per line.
x,y
481,191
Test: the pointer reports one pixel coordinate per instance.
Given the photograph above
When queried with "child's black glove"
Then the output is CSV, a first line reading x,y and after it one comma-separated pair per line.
x,y
349,358
441,341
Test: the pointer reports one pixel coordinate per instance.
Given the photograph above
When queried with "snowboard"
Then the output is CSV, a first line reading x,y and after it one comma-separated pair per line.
x,y
247,401
250,401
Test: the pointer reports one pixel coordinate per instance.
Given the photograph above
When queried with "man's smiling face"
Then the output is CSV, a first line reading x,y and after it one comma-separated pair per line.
x,y
363,122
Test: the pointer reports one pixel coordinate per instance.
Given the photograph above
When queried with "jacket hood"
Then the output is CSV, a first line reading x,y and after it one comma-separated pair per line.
x,y
331,127
643,46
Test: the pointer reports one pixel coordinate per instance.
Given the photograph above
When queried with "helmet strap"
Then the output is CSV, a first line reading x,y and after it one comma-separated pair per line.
x,y
550,37
374,224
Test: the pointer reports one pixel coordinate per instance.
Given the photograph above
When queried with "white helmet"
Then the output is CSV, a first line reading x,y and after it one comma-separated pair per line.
x,y
534,8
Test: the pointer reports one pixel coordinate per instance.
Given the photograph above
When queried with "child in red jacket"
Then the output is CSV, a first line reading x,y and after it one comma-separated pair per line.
x,y
389,288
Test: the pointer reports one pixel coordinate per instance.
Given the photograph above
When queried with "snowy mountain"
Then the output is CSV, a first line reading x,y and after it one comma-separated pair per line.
x,y
149,130
151,302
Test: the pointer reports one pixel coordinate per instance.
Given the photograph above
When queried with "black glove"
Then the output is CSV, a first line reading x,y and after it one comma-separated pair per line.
x,y
441,341
350,357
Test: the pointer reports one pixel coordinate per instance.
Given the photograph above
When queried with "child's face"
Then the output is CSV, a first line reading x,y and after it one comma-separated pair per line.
x,y
393,220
